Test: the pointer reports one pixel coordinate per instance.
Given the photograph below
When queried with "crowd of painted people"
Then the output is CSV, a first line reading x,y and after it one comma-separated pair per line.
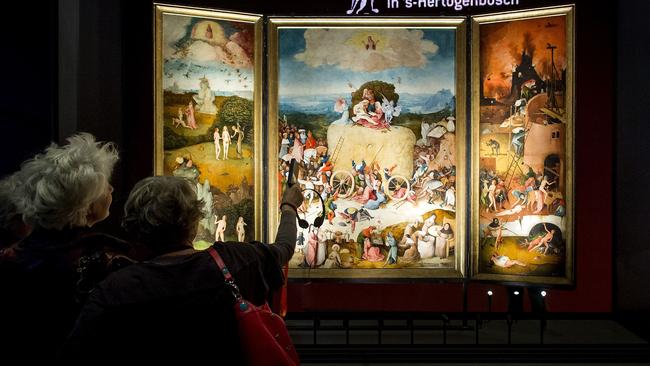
x,y
432,182
526,192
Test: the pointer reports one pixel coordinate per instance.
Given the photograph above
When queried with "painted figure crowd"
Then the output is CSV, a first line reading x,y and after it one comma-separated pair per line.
x,y
352,193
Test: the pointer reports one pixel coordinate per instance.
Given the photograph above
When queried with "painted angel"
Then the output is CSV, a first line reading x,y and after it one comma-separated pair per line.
x,y
390,109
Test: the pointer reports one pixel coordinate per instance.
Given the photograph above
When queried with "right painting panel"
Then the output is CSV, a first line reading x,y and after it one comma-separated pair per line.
x,y
522,160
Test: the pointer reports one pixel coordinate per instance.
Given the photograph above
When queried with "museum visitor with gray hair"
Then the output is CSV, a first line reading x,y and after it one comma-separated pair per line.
x,y
175,304
61,194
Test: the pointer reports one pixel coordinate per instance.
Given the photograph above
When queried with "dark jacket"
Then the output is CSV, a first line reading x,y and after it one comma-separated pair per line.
x,y
42,287
176,306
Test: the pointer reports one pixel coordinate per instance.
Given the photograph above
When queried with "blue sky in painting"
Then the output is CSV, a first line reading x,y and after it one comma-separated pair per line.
x,y
417,61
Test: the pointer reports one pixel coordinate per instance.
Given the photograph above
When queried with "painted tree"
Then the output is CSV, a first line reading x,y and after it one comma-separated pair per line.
x,y
236,110
380,88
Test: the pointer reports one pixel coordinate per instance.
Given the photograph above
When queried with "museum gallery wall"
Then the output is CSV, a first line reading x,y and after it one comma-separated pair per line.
x,y
374,111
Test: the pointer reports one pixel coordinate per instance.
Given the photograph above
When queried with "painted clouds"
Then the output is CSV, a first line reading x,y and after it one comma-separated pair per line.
x,y
206,42
366,50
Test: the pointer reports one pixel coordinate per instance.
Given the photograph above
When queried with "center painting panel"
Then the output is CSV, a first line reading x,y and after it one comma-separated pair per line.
x,y
373,112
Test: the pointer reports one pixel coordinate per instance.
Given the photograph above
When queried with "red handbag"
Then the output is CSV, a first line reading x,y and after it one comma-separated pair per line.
x,y
263,335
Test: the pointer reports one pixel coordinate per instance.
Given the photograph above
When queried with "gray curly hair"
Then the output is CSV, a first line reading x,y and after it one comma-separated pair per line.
x,y
162,211
60,185
8,207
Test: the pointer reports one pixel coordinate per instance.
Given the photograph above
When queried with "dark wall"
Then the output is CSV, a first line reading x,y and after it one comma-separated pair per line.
x,y
63,73
632,175
113,97
28,103
100,88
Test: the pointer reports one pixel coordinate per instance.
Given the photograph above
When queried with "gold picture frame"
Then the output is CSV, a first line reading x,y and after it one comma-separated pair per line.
x,y
522,196
321,69
208,74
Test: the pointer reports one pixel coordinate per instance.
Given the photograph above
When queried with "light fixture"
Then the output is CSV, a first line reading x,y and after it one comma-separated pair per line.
x,y
543,293
516,293
489,300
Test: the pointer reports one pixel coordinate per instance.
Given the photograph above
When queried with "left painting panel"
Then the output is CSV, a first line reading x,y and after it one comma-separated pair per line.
x,y
208,128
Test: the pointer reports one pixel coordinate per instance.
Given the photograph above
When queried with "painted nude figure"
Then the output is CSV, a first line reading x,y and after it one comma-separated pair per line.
x,y
225,138
543,186
241,232
505,261
179,121
544,241
221,228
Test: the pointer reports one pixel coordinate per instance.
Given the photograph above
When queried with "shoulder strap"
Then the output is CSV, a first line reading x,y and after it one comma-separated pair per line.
x,y
228,278
222,266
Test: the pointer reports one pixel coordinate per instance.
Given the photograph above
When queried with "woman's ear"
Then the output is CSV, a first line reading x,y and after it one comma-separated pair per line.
x,y
92,216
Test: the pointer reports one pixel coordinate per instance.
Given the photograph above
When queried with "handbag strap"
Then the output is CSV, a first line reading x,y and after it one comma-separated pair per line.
x,y
228,278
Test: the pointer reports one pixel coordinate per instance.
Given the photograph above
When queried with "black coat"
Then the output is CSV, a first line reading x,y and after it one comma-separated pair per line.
x,y
176,306
43,288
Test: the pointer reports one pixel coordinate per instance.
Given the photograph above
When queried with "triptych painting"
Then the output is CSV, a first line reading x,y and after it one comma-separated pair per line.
x,y
208,107
522,140
375,113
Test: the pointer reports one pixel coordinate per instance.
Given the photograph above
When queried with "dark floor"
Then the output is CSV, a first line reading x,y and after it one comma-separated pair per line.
x,y
492,332
578,342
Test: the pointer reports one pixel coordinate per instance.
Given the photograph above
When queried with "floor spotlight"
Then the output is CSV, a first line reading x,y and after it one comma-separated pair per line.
x,y
515,300
489,300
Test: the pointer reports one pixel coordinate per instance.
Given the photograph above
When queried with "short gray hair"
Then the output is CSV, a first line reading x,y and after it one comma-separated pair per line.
x,y
162,211
8,207
60,185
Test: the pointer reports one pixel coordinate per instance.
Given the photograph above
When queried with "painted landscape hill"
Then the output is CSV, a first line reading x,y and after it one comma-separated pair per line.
x,y
231,110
